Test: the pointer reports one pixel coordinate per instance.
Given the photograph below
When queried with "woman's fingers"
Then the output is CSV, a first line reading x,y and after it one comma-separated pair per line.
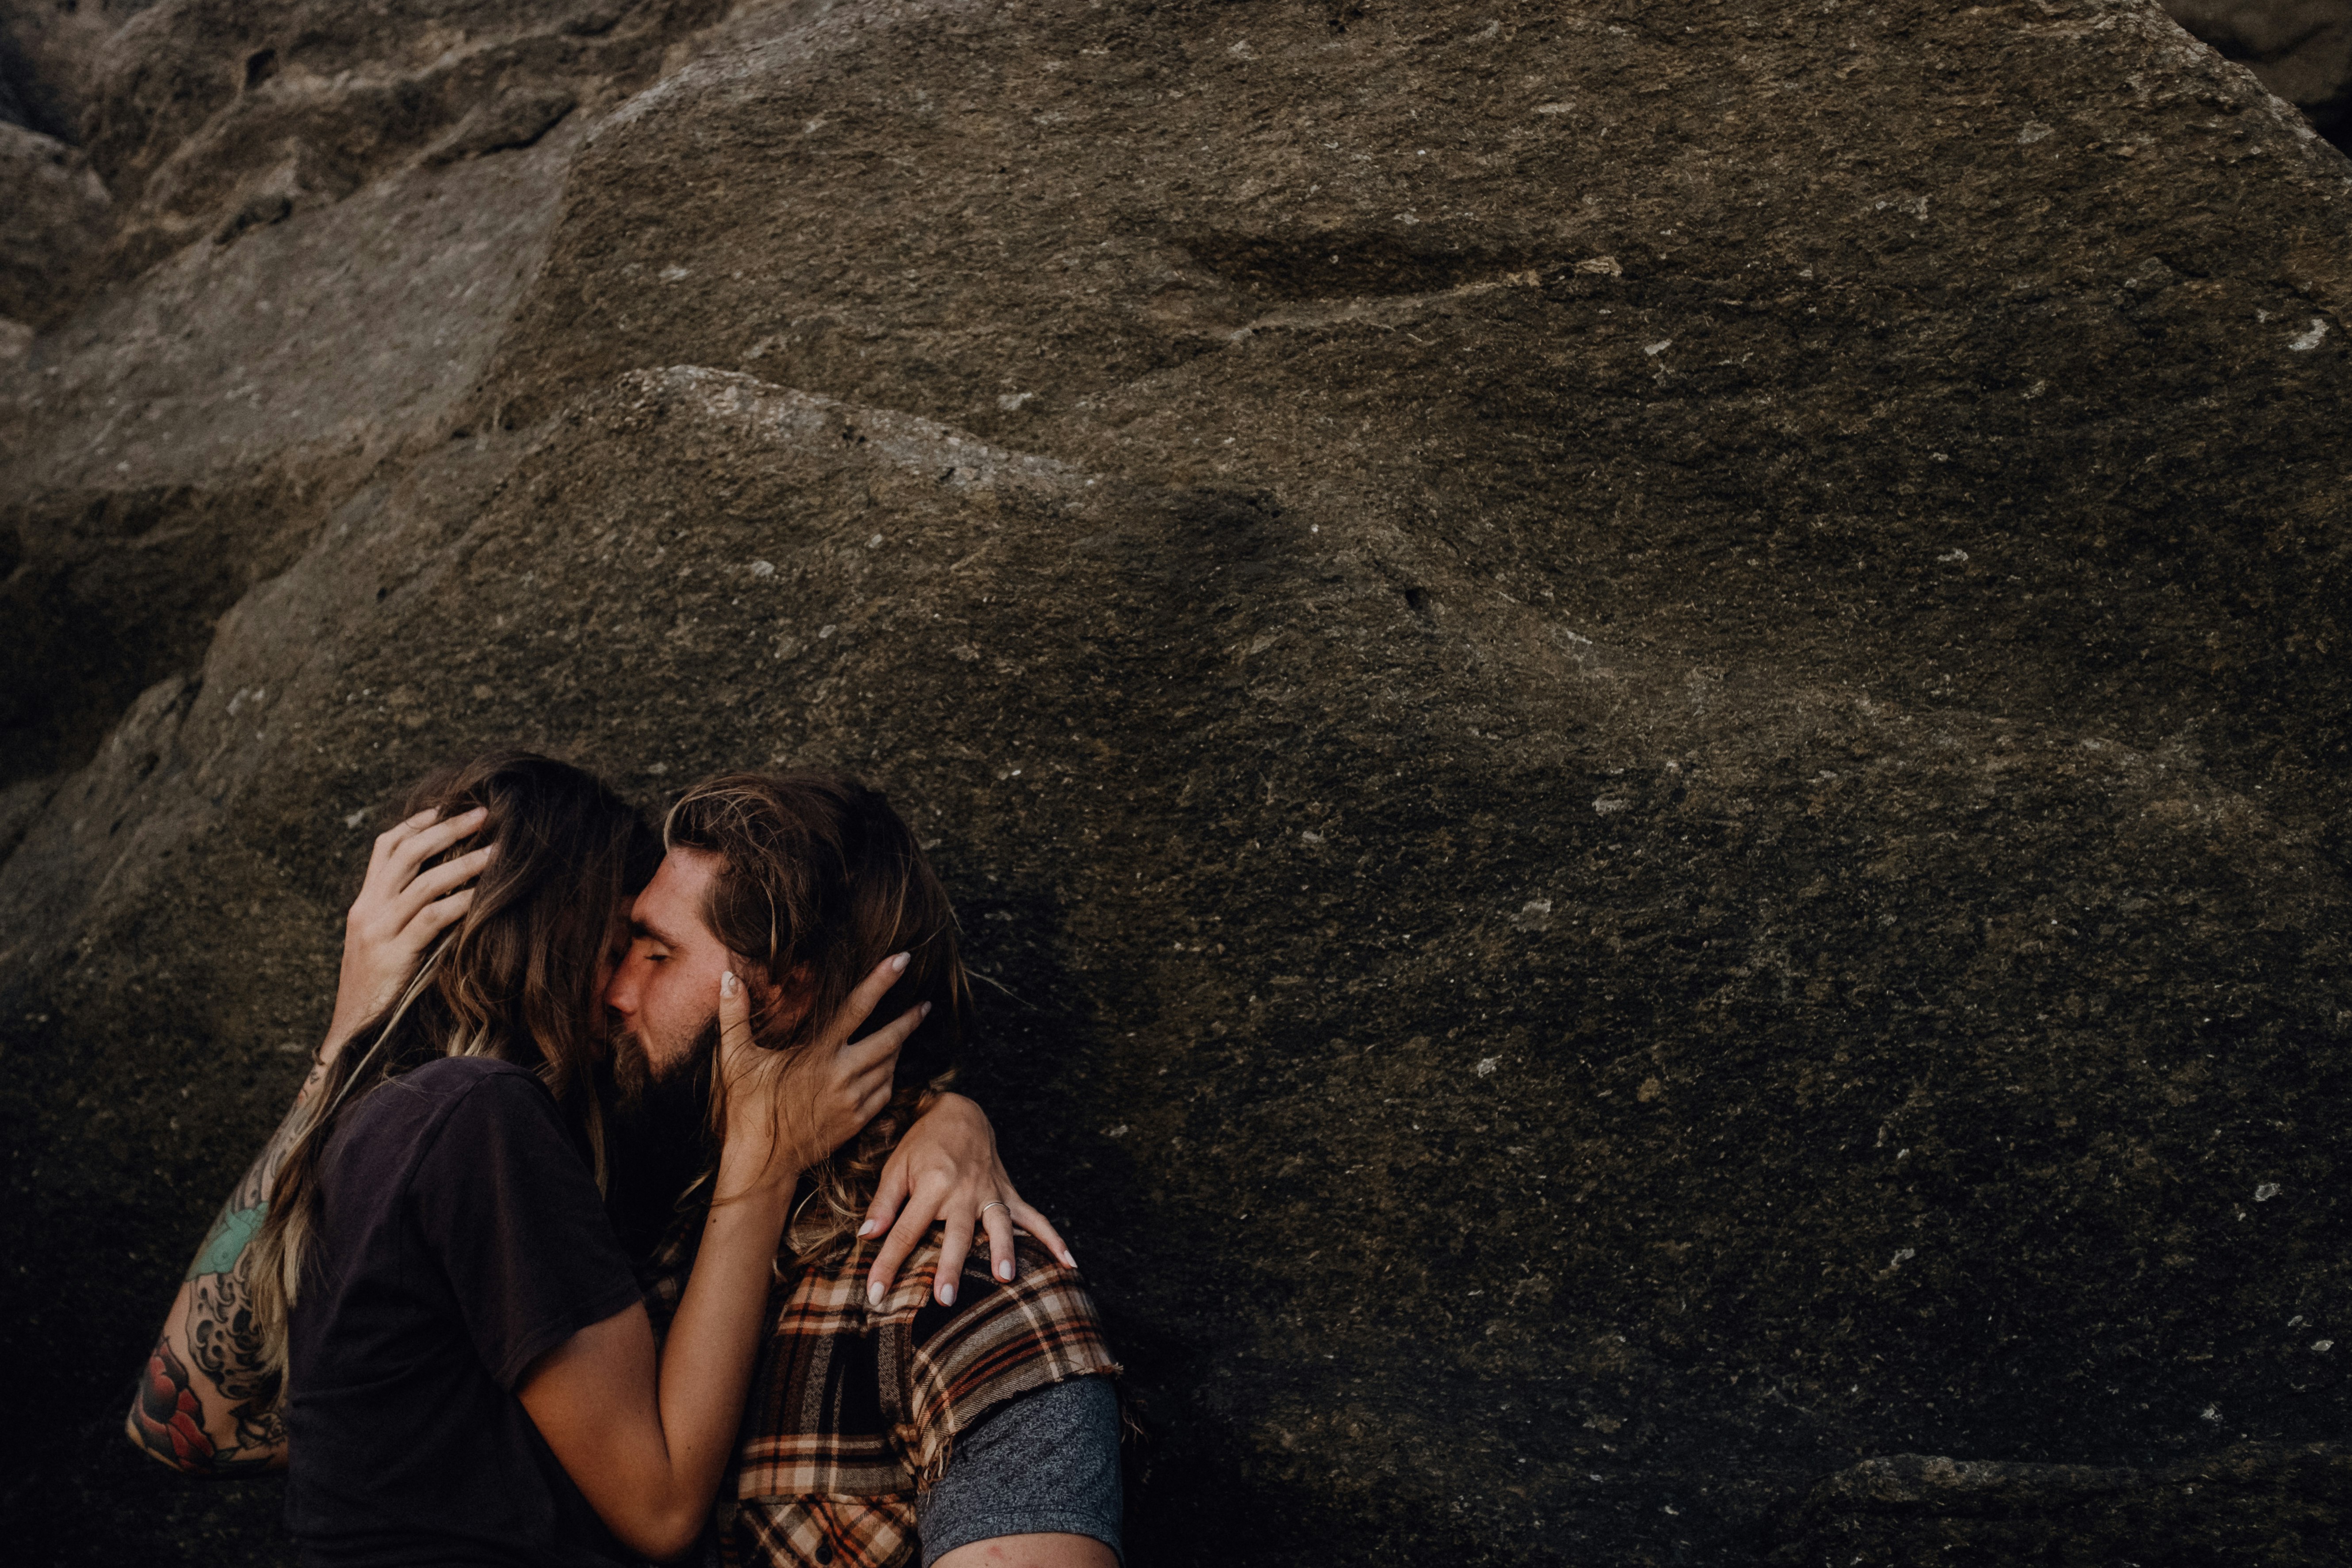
x,y
955,1245
431,884
852,1088
735,1047
935,1201
374,885
738,1054
866,998
878,1052
903,1237
1038,1226
889,1192
996,1218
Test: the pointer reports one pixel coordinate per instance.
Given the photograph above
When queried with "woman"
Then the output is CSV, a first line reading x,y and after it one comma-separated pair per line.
x,y
431,1309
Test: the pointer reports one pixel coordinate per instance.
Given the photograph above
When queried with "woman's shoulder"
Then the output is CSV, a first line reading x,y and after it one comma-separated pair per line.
x,y
456,1077
425,1097
385,1131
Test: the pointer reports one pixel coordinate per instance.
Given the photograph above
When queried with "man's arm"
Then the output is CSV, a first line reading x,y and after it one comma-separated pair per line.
x,y
1031,1551
205,1404
1034,1484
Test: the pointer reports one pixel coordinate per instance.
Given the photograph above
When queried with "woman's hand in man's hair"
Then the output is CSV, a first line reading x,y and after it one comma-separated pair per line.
x,y
782,1112
946,1170
398,914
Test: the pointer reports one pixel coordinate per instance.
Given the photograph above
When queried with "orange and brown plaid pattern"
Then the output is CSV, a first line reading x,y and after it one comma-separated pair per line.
x,y
853,1409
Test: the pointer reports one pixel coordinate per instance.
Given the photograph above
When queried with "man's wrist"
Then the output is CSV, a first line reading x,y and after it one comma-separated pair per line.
x,y
339,1035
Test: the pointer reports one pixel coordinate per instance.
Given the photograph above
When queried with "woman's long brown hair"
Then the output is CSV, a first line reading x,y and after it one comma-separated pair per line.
x,y
819,881
514,979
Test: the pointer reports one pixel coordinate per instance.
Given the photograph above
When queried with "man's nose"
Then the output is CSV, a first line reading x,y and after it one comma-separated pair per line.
x,y
621,990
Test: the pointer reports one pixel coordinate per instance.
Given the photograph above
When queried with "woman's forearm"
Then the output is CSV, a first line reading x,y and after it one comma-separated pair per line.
x,y
646,1437
705,1364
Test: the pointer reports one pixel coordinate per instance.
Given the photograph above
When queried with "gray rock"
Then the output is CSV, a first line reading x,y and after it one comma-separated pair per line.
x,y
207,117
49,57
172,447
2301,50
57,221
1643,712
515,121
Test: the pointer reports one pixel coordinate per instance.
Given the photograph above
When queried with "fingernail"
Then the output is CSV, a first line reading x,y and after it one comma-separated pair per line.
x,y
727,984
925,1010
1004,1269
1069,1261
866,1229
874,1293
898,964
947,1292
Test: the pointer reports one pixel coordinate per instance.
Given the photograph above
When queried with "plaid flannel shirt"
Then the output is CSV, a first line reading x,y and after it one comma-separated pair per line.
x,y
855,1408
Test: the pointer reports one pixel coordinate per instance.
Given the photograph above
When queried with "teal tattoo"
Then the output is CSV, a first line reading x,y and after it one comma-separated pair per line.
x,y
231,1234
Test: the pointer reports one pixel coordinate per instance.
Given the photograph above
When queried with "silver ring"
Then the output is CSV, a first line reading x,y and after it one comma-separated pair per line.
x,y
996,1204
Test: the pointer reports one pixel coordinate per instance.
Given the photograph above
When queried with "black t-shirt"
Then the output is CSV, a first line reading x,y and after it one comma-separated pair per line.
x,y
461,1237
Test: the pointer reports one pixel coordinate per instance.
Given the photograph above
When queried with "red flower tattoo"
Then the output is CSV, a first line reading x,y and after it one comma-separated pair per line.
x,y
171,1420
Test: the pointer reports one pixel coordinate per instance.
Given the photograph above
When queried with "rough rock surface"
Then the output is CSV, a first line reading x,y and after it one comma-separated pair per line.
x,y
2262,1503
1644,706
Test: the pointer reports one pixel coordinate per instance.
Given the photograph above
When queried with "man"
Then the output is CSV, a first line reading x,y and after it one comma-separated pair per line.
x,y
971,1424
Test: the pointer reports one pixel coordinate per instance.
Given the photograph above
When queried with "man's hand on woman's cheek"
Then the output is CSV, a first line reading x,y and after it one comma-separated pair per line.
x,y
946,1170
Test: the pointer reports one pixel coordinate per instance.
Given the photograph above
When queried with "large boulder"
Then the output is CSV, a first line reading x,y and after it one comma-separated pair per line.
x,y
1642,713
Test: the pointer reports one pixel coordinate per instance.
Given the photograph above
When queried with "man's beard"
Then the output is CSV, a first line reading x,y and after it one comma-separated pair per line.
x,y
660,1131
638,1081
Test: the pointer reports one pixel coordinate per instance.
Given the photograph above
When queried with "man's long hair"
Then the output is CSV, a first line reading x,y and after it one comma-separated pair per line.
x,y
819,881
515,979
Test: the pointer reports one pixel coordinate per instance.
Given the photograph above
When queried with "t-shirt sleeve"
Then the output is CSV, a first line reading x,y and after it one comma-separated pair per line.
x,y
510,1209
1044,1464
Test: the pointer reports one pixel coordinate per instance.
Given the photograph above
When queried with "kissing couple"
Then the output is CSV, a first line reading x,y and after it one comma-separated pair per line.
x,y
600,1194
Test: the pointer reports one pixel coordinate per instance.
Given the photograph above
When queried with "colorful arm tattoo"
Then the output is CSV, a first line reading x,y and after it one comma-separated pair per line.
x,y
222,1340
